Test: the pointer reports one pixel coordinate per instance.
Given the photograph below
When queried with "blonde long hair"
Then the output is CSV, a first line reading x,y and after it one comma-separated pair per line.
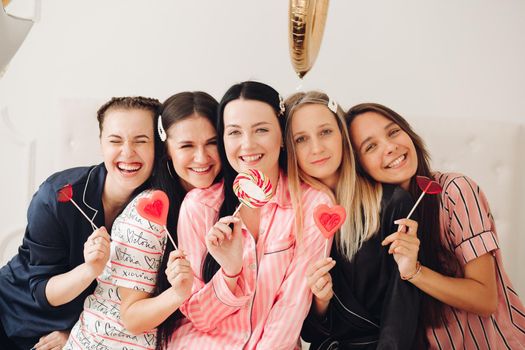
x,y
360,196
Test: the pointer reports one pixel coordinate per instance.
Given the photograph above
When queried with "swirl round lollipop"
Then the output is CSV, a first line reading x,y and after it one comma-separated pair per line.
x,y
253,189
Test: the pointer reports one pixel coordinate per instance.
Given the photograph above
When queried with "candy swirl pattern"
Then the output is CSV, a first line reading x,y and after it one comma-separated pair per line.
x,y
247,194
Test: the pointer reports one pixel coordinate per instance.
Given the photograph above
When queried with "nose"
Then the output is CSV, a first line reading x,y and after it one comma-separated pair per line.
x,y
390,147
247,141
128,149
317,146
200,155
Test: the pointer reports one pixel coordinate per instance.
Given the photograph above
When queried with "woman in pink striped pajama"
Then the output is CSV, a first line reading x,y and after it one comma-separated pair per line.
x,y
250,290
473,304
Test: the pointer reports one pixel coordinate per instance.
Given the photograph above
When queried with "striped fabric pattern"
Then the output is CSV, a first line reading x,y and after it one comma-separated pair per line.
x,y
272,298
469,231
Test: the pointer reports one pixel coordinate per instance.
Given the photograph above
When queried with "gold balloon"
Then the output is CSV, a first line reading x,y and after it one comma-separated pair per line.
x,y
307,20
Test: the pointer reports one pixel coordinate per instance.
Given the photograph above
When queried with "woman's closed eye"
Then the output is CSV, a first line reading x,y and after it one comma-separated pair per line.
x,y
394,132
369,147
233,133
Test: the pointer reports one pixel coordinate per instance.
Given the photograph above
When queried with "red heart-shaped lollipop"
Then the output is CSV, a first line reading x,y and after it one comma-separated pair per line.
x,y
329,220
65,193
428,185
154,208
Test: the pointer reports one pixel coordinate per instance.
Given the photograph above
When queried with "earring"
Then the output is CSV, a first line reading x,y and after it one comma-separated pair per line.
x,y
169,169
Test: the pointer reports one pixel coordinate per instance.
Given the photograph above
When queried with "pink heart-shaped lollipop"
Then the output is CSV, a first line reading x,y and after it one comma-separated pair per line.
x,y
428,185
154,208
329,220
65,193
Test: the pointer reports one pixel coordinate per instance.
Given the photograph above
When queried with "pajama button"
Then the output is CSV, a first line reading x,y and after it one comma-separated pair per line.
x,y
252,266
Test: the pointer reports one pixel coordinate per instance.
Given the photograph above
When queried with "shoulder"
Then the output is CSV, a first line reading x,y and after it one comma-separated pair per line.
x,y
394,195
77,177
74,176
131,207
211,197
456,185
312,197
132,218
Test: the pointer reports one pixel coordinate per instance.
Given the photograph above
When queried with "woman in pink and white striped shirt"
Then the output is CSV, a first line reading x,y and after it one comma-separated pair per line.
x,y
250,289
471,303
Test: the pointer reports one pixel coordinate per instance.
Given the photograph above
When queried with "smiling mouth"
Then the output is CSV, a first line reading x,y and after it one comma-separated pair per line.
x,y
396,162
201,170
129,168
251,158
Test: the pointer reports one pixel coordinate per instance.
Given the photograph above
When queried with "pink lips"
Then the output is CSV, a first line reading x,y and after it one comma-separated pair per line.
x,y
320,161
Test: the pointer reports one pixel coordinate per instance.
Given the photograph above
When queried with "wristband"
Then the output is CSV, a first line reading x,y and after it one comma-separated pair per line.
x,y
418,270
232,276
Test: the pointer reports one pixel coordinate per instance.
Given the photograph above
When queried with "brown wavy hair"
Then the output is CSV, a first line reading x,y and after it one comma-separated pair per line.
x,y
433,253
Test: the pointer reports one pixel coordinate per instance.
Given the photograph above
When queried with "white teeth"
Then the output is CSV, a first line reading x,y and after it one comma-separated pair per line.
x,y
251,158
201,170
396,161
129,167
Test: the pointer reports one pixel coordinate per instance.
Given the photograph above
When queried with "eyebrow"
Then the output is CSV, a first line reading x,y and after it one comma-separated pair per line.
x,y
135,137
302,132
368,138
186,142
253,126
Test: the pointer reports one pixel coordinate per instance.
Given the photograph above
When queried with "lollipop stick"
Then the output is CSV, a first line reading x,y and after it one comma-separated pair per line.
x,y
325,248
237,210
418,200
87,217
171,238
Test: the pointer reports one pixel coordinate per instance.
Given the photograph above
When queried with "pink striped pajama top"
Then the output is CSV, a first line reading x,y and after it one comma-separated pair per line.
x,y
272,298
468,229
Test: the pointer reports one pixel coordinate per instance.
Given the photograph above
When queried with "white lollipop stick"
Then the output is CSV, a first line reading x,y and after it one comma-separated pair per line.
x,y
83,213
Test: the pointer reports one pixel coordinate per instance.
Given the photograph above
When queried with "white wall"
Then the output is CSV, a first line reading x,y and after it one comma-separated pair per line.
x,y
425,59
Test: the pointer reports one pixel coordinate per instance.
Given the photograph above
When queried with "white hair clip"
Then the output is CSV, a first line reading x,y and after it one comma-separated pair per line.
x,y
332,105
160,129
281,105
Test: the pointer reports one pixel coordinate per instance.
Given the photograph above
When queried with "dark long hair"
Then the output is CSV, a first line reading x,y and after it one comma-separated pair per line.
x,y
434,254
175,109
248,90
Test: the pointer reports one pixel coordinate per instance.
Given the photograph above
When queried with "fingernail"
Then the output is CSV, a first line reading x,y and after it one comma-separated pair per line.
x,y
396,222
